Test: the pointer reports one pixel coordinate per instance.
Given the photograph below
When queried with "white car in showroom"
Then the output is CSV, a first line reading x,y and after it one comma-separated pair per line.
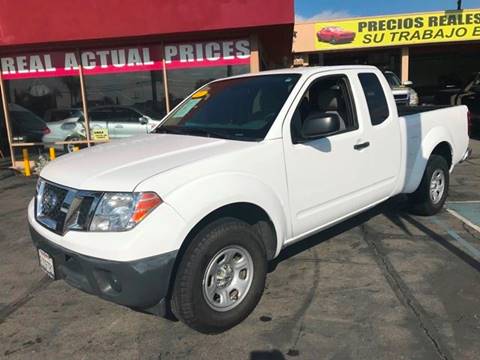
x,y
119,121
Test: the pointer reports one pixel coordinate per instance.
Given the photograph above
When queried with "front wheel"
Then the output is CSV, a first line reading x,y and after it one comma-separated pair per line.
x,y
430,196
220,278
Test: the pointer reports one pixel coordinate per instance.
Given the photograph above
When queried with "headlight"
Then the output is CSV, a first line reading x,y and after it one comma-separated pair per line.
x,y
39,195
122,211
413,97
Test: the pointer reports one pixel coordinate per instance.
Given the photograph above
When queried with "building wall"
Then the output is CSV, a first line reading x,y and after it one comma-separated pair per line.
x,y
304,39
32,21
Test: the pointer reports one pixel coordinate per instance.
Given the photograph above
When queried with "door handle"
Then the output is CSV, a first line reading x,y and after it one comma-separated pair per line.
x,y
361,146
118,126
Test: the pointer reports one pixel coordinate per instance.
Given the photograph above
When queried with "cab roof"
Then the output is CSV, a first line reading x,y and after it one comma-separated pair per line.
x,y
306,71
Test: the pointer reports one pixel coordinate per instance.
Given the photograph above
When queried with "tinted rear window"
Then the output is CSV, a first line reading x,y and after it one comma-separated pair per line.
x,y
376,101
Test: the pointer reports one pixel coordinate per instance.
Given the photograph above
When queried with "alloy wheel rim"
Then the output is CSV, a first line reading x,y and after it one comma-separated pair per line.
x,y
437,186
71,147
228,278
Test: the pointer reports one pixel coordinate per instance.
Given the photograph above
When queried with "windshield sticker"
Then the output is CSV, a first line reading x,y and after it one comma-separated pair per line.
x,y
200,94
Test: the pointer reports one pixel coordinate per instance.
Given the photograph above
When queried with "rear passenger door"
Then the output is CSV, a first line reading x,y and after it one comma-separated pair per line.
x,y
327,176
384,135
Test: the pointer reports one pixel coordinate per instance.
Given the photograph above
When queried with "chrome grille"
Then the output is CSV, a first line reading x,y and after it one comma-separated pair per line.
x,y
61,209
401,98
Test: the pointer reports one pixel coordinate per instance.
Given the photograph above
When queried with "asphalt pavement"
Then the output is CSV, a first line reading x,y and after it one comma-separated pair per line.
x,y
383,285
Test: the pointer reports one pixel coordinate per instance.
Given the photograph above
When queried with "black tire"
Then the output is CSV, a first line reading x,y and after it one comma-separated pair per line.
x,y
421,201
188,303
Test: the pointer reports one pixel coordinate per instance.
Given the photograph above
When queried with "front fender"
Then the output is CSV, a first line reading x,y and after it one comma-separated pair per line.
x,y
197,199
418,156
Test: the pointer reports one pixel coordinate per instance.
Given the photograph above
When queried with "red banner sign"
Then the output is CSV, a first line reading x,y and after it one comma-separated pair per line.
x,y
230,52
126,59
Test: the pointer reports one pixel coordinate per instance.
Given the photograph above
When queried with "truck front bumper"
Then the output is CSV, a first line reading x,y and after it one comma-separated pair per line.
x,y
141,284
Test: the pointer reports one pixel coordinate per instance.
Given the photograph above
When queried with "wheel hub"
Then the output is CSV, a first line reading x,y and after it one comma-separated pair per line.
x,y
224,276
437,186
228,278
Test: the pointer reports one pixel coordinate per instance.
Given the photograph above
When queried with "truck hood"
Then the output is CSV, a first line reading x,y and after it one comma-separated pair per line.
x,y
122,164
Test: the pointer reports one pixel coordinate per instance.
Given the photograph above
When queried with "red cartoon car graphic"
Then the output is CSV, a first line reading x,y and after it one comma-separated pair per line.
x,y
335,35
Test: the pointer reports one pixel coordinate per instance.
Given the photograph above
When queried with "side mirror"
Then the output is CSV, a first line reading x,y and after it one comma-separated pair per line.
x,y
407,83
143,120
320,124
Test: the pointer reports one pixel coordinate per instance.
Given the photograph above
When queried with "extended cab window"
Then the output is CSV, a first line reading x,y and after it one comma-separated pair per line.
x,y
326,95
242,108
376,101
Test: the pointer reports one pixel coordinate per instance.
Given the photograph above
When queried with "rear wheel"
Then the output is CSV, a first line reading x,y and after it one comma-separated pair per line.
x,y
220,278
430,196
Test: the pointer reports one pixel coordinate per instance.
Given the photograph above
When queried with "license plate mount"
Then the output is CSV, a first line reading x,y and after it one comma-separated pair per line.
x,y
46,263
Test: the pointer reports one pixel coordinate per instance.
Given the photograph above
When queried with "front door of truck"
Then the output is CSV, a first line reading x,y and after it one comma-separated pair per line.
x,y
326,175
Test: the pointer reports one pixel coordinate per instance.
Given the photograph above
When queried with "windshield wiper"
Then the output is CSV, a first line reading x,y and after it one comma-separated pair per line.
x,y
184,130
205,132
168,130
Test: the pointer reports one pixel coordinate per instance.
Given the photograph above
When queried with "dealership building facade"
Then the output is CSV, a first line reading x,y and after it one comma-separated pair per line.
x,y
98,60
433,49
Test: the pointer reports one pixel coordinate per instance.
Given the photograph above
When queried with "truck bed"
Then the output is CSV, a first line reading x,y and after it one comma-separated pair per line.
x,y
423,125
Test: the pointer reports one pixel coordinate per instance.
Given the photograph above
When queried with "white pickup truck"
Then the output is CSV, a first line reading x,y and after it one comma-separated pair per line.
x,y
186,218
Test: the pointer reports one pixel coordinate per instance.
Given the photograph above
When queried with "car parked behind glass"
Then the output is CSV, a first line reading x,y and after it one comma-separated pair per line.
x,y
120,122
52,115
26,127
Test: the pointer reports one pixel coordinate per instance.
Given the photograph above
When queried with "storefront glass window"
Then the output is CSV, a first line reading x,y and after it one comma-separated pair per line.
x,y
124,89
39,107
126,104
192,65
182,82
438,74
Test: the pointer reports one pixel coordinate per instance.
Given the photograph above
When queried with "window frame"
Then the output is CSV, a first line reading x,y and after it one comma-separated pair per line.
x,y
351,108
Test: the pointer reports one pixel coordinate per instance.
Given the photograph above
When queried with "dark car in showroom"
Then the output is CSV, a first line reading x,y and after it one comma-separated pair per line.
x,y
467,94
25,125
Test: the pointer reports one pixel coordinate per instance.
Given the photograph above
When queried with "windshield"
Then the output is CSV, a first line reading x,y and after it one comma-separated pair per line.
x,y
392,79
240,109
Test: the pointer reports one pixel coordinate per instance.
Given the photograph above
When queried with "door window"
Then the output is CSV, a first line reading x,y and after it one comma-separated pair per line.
x,y
326,95
375,96
121,114
100,114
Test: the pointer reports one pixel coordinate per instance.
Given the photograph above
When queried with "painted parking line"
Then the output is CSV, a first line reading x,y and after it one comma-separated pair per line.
x,y
472,250
466,211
